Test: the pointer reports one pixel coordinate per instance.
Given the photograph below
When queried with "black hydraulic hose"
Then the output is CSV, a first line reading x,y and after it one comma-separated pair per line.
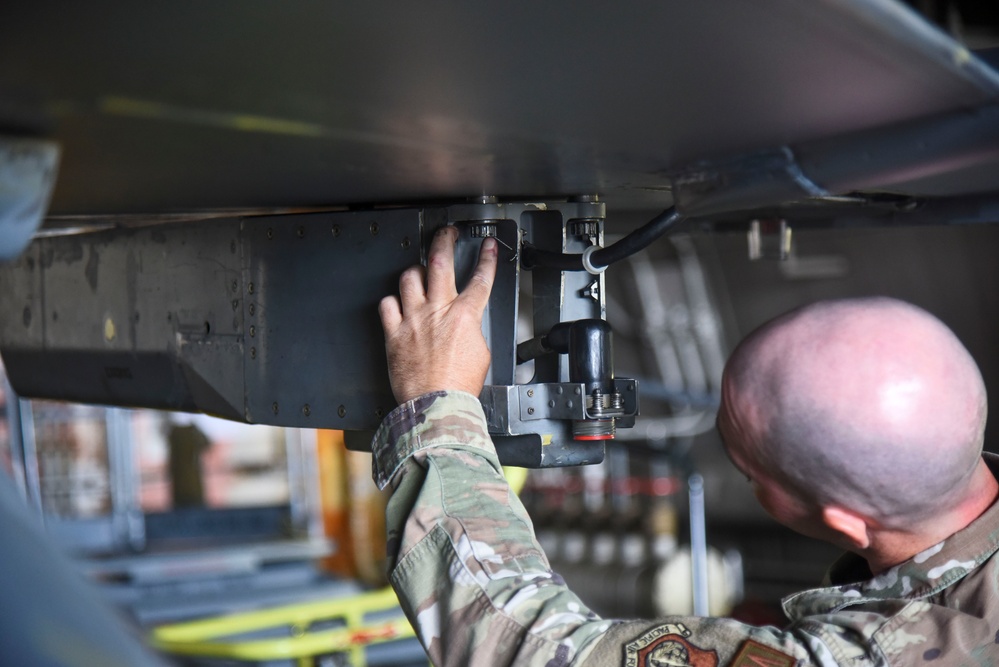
x,y
629,245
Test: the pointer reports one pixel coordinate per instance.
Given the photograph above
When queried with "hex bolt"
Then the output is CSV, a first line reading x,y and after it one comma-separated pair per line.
x,y
274,407
306,410
253,331
530,411
342,411
530,393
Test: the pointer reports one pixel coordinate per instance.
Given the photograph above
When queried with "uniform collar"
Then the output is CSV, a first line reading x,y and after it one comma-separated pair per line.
x,y
924,574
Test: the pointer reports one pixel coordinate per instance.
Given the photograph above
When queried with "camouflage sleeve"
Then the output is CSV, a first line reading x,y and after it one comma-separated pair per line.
x,y
479,590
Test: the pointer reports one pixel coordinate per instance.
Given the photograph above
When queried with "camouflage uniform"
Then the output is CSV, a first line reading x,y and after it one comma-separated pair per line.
x,y
479,590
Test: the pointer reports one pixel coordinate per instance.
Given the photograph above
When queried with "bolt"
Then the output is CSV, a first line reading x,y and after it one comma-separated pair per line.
x,y
270,233
274,407
336,231
530,393
253,353
249,288
306,410
530,411
342,411
253,331
374,228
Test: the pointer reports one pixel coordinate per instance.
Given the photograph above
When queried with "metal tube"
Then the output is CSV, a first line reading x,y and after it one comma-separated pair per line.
x,y
698,545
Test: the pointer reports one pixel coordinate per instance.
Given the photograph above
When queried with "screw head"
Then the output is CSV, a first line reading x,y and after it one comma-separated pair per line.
x,y
253,309
374,228
342,411
253,353
250,288
336,231
405,242
253,331
270,233
530,393
274,407
300,231
306,410
530,411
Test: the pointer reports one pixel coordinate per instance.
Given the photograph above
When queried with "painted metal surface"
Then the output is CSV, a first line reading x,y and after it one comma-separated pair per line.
x,y
187,106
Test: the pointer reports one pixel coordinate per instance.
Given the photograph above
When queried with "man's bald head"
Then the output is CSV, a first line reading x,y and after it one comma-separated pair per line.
x,y
871,404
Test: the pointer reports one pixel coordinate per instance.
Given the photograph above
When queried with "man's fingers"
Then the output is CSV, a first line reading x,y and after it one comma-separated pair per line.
x,y
411,288
481,283
390,310
440,266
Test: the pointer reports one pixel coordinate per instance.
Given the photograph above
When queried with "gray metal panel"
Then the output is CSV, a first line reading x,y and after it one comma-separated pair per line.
x,y
317,280
166,106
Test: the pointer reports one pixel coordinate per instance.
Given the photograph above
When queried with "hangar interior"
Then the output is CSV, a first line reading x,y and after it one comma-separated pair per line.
x,y
223,220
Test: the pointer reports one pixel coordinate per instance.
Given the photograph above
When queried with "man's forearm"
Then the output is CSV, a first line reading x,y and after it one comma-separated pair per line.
x,y
463,558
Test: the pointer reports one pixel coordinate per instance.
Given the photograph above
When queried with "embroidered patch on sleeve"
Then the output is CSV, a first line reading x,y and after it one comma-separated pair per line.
x,y
754,654
667,645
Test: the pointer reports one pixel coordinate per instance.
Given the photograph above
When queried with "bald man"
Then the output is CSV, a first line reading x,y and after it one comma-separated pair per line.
x,y
858,422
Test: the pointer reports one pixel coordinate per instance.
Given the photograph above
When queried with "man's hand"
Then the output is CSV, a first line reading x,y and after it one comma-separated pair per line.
x,y
433,336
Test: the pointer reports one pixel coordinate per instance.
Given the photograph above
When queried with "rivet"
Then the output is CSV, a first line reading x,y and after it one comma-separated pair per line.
x,y
631,386
301,232
235,286
568,404
551,403
232,247
374,228
576,391
274,407
253,331
270,233
109,330
253,309
342,411
405,242
379,413
253,353
249,288
336,231
235,304
558,390
306,410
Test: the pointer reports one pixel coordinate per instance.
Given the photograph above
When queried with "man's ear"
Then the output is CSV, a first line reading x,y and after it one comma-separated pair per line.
x,y
852,527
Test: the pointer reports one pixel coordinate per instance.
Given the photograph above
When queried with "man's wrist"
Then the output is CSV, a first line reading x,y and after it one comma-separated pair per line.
x,y
437,418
